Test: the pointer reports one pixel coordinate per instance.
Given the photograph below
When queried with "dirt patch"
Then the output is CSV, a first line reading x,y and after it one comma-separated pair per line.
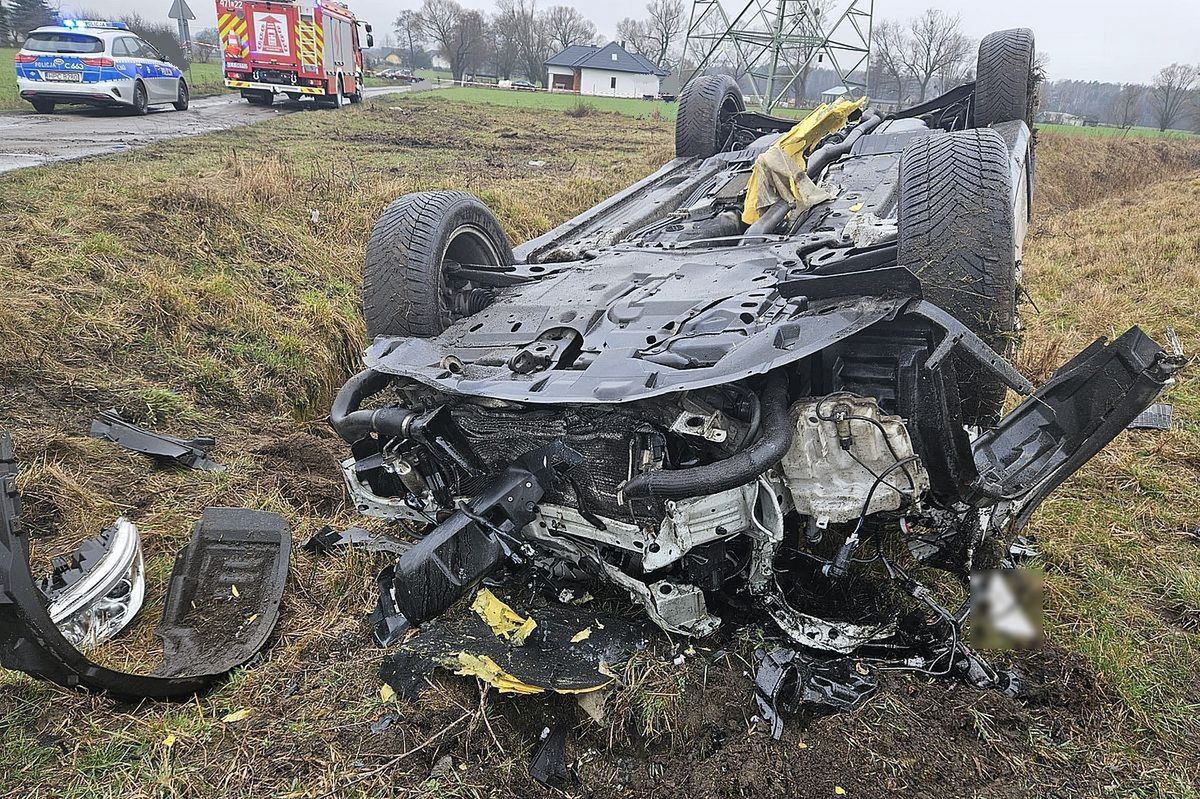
x,y
304,468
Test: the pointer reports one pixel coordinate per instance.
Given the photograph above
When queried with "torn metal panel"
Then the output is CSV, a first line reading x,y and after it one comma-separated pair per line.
x,y
328,541
1159,416
95,593
190,454
208,628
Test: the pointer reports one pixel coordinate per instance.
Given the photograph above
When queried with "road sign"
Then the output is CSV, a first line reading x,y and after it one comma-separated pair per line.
x,y
179,10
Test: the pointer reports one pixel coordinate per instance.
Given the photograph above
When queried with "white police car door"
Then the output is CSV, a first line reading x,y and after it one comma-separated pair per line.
x,y
158,74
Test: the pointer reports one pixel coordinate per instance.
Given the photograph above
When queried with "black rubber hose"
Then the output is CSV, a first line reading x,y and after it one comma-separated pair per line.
x,y
831,152
353,424
745,466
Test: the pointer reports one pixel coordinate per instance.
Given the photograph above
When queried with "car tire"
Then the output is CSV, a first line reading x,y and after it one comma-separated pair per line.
x,y
405,290
43,106
141,101
704,121
263,98
957,233
1005,78
184,97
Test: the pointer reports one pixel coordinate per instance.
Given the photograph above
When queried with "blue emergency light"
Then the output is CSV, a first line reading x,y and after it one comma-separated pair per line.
x,y
94,23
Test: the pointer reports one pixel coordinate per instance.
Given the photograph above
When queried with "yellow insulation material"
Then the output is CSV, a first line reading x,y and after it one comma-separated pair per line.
x,y
779,172
505,622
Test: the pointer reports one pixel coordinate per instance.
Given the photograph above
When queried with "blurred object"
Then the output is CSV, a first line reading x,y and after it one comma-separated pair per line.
x,y
1006,609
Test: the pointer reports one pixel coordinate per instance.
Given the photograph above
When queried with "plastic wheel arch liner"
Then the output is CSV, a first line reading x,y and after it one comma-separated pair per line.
x,y
251,547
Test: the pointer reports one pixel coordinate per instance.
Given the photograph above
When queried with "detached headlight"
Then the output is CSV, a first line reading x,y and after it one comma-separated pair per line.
x,y
92,595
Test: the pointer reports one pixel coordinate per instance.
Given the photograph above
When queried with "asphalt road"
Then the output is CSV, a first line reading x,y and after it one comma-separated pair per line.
x,y
71,133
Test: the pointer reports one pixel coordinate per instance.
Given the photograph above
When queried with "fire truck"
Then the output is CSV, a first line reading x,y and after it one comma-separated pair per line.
x,y
297,48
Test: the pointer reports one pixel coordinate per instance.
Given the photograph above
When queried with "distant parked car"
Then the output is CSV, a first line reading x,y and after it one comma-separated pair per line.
x,y
88,62
524,86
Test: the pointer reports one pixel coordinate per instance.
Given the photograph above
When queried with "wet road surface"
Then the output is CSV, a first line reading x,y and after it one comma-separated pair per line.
x,y
74,132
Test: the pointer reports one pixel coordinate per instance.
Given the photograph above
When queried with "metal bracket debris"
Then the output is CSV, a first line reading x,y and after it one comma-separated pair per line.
x,y
787,679
190,454
328,541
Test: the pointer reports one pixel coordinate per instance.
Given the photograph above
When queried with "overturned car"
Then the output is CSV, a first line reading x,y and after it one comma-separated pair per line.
x,y
744,382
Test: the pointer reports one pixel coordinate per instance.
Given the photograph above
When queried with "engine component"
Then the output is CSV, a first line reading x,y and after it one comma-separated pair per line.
x,y
461,551
842,444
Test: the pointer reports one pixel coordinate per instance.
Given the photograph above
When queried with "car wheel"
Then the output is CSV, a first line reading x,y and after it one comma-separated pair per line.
x,y
184,97
1005,78
141,102
43,106
260,98
408,289
957,233
704,122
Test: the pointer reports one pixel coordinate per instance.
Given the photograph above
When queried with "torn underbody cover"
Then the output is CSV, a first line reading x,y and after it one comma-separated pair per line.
x,y
222,603
558,649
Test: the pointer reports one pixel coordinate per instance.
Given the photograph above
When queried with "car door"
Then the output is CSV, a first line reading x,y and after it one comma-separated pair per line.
x,y
161,77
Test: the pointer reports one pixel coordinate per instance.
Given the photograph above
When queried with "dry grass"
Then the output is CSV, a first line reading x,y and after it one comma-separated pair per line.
x,y
207,299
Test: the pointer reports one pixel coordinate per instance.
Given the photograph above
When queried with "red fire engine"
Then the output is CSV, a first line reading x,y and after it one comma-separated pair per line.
x,y
297,48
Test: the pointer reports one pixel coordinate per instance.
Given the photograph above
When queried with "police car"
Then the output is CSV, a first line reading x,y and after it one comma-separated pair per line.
x,y
89,62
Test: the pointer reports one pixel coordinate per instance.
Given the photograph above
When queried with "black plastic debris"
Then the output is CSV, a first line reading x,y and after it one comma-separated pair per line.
x,y
189,454
563,649
328,541
549,763
1159,416
222,603
788,679
388,624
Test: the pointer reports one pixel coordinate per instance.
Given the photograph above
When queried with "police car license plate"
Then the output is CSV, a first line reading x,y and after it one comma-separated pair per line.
x,y
70,77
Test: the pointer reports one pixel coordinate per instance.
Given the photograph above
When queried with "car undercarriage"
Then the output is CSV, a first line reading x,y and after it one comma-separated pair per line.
x,y
743,385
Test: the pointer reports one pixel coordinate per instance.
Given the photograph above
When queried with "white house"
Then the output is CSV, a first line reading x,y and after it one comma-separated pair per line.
x,y
609,70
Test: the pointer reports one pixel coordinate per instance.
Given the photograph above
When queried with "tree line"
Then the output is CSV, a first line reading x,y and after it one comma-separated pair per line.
x,y
517,37
1170,101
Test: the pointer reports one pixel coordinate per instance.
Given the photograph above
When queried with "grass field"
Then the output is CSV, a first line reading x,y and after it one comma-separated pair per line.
x,y
1106,132
510,98
222,308
204,80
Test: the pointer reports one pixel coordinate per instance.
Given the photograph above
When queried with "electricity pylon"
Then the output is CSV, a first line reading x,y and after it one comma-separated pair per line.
x,y
779,40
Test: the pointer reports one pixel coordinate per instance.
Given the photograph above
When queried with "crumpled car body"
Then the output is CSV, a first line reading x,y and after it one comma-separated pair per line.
x,y
707,412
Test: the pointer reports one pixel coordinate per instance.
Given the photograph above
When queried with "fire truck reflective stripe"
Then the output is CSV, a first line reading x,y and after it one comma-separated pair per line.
x,y
232,29
308,45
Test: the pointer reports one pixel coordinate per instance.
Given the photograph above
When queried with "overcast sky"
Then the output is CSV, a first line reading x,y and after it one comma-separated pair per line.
x,y
1107,40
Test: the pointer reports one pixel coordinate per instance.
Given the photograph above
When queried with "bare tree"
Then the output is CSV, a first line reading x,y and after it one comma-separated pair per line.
x,y
504,39
935,46
411,33
801,56
655,36
1170,92
566,26
887,46
457,32
1126,106
533,40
